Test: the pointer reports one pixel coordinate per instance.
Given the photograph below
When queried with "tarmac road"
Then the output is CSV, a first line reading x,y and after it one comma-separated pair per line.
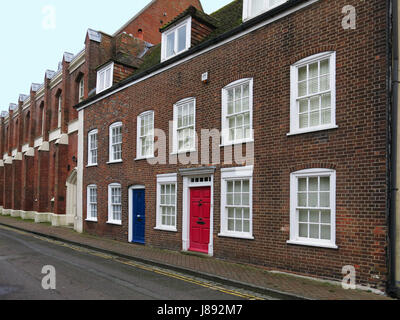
x,y
82,274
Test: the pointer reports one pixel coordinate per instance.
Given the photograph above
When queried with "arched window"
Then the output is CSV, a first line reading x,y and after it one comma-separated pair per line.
x,y
27,126
116,142
237,112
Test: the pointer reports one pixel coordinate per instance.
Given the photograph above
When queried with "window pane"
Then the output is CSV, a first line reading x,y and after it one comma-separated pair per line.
x,y
325,200
314,216
170,44
302,73
182,38
231,225
313,70
313,199
324,67
326,232
314,231
303,216
313,184
302,200
302,89
326,217
303,184
303,230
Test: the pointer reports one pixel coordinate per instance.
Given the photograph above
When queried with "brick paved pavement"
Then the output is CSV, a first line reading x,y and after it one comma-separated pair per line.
x,y
246,276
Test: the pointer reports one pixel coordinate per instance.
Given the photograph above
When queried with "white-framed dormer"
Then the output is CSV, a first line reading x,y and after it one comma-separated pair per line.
x,y
105,77
176,39
253,8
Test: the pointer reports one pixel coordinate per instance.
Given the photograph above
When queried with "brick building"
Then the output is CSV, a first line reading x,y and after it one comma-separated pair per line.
x,y
262,133
38,136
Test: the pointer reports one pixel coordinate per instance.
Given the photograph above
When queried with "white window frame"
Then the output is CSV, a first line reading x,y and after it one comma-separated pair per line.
x,y
294,113
175,142
81,89
89,216
247,8
225,121
101,74
294,221
91,134
110,204
111,145
232,174
139,145
166,179
188,23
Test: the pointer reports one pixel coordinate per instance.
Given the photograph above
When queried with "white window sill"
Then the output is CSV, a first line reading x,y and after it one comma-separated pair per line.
x,y
115,162
169,229
237,236
312,244
233,143
92,165
183,152
309,130
91,220
115,223
145,158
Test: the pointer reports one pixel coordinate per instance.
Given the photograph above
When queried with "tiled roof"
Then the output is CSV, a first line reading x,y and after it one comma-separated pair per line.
x,y
193,12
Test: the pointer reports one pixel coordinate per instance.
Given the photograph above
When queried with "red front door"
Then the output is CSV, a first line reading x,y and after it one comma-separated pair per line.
x,y
200,200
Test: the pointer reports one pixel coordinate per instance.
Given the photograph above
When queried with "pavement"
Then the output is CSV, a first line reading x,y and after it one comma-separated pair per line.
x,y
246,277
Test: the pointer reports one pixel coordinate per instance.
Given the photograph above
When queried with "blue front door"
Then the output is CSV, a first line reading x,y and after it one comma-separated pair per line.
x,y
138,216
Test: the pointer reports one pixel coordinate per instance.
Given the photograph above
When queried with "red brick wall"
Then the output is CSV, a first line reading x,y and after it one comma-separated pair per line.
x,y
356,149
158,14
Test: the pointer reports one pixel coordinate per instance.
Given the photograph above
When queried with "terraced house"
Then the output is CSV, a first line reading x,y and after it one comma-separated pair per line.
x,y
264,133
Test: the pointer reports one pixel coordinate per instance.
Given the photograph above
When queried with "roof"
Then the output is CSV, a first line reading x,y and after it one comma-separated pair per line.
x,y
225,19
229,24
194,13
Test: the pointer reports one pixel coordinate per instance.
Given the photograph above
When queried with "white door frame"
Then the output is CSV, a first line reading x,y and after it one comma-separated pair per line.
x,y
130,208
187,184
72,196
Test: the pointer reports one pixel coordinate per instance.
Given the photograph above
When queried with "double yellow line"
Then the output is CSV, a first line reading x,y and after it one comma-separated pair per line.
x,y
141,266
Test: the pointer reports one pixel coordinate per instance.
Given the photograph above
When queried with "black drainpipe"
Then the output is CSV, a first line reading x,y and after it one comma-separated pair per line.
x,y
393,63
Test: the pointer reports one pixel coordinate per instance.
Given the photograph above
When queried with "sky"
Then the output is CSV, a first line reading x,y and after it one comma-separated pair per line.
x,y
35,34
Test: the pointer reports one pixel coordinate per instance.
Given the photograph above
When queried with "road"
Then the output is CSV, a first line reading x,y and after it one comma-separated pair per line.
x,y
82,274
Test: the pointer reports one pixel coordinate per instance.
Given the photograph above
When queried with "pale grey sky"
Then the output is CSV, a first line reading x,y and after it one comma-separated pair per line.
x,y
32,43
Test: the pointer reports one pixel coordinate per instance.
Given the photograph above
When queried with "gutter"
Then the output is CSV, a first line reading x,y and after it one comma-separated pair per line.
x,y
290,4
393,98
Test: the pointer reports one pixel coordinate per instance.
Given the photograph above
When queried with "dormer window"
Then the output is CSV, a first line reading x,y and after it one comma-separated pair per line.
x,y
253,8
176,39
105,78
